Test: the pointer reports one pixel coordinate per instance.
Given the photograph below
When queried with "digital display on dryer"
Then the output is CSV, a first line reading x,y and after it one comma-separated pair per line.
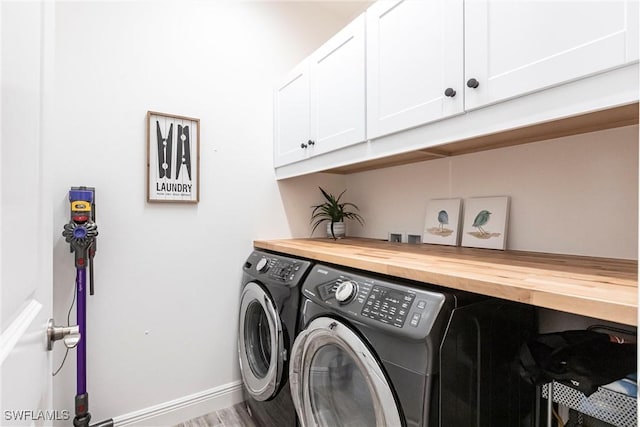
x,y
388,306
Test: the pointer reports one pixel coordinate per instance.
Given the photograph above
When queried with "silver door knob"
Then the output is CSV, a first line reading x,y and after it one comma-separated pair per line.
x,y
70,335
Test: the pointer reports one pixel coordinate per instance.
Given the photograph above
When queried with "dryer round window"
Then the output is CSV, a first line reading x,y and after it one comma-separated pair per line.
x,y
258,339
260,343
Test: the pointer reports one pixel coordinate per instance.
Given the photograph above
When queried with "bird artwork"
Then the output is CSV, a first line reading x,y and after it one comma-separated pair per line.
x,y
441,222
485,222
443,219
481,219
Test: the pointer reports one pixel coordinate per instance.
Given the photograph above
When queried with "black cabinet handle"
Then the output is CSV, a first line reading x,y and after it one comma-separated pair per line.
x,y
472,83
310,142
303,145
450,92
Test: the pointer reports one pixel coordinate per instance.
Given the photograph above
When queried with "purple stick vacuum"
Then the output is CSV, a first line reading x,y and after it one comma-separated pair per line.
x,y
81,232
81,316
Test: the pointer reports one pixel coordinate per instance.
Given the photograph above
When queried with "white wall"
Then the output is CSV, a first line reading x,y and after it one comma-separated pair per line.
x,y
162,324
301,193
573,195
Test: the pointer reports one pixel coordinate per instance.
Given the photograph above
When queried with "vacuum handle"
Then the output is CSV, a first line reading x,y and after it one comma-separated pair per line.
x,y
91,275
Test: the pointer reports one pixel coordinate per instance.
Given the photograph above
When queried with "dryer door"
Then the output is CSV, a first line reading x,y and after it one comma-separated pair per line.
x,y
337,381
260,343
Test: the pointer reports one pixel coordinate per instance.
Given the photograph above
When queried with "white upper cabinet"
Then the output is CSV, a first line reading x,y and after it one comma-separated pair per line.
x,y
418,76
320,105
414,56
337,73
291,121
516,47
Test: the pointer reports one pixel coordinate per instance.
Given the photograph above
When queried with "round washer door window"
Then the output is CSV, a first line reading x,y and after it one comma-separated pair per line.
x,y
338,390
260,343
336,381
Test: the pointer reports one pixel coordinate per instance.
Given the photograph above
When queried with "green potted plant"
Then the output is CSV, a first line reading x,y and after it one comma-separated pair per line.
x,y
334,211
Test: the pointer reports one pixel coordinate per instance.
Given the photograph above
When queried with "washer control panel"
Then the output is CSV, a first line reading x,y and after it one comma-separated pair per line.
x,y
404,308
388,305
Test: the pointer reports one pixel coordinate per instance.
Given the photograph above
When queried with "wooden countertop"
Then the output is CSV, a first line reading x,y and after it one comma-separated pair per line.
x,y
603,288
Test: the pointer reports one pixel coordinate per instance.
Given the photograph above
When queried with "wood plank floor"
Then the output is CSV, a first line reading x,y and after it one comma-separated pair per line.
x,y
235,416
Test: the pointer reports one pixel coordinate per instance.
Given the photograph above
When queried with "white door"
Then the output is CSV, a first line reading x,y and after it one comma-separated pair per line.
x,y
414,57
338,90
292,130
25,215
516,47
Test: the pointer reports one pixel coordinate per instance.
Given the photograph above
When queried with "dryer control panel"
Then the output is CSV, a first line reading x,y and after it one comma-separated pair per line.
x,y
399,307
276,268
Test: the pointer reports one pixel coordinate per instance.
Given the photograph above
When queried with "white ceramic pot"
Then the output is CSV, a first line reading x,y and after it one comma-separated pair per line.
x,y
339,229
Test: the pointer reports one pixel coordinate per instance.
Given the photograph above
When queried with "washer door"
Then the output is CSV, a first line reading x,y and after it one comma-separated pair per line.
x,y
260,343
336,380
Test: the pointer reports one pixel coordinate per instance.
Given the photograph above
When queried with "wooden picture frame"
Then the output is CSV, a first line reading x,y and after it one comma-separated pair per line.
x,y
173,158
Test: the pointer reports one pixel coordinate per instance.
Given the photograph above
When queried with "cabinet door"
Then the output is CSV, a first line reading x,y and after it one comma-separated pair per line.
x,y
515,47
291,110
337,90
414,54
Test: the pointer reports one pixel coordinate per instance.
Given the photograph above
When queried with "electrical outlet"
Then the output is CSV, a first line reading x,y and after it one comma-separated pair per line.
x,y
396,237
414,238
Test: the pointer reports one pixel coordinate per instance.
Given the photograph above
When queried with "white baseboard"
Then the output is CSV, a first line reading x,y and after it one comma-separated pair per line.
x,y
184,408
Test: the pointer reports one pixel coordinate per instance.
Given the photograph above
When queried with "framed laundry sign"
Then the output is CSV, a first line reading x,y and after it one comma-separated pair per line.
x,y
173,158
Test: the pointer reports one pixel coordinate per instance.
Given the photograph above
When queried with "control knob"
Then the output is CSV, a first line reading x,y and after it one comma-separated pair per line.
x,y
263,265
346,291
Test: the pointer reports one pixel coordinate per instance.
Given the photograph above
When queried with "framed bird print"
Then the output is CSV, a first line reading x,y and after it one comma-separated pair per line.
x,y
173,158
441,224
485,222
